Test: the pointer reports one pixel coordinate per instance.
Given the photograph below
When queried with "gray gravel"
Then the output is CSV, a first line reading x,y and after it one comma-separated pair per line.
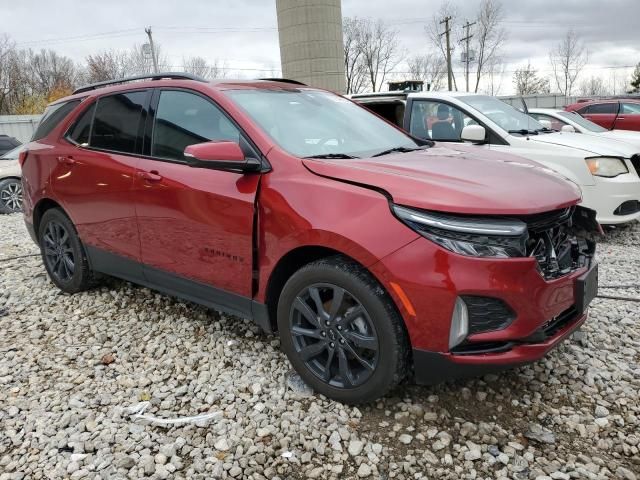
x,y
74,368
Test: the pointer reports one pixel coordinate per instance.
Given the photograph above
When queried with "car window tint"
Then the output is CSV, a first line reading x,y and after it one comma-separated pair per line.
x,y
116,123
52,116
81,129
438,121
602,108
184,119
631,108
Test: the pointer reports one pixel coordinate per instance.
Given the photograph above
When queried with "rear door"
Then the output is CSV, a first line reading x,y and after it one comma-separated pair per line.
x,y
196,224
94,178
629,117
604,114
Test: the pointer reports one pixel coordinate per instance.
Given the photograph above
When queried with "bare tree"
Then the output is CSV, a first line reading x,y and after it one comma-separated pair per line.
x,y
7,54
200,67
430,68
489,37
568,59
354,67
435,33
494,75
593,87
380,50
527,82
635,80
140,60
107,65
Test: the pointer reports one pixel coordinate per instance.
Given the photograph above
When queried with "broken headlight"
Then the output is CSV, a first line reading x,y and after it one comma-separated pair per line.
x,y
468,235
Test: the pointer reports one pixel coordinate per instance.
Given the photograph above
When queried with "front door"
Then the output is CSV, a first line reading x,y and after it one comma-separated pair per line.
x,y
196,224
604,114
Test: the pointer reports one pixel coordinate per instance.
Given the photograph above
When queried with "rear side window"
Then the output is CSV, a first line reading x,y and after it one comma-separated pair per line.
x,y
603,108
81,130
631,108
184,119
118,121
52,116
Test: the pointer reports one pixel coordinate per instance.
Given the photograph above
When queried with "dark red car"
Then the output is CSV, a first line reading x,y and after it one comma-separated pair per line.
x,y
377,257
611,114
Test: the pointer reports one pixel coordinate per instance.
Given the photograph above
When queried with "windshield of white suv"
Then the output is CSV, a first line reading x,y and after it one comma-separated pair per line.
x,y
312,123
510,119
13,154
583,122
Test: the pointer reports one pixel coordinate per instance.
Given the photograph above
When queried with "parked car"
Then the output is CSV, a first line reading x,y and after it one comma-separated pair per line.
x,y
376,256
570,122
610,114
7,143
606,170
10,184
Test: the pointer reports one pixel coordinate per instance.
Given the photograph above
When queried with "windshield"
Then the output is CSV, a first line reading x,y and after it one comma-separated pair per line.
x,y
312,123
510,119
583,122
13,154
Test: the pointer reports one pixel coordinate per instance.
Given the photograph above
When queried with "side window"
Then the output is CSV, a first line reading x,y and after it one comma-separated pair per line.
x,y
117,122
81,129
631,108
556,123
184,119
602,108
582,110
52,116
438,121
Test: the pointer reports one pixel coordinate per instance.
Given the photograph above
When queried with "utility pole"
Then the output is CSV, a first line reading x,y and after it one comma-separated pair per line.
x,y
153,50
447,32
466,39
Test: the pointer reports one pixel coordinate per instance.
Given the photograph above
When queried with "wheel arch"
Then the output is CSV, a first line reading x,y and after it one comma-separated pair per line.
x,y
41,207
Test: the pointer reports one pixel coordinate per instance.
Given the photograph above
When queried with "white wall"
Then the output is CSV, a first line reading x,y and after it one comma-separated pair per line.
x,y
19,126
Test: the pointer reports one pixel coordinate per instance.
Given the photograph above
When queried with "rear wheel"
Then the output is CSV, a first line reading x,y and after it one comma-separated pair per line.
x,y
10,195
341,331
62,252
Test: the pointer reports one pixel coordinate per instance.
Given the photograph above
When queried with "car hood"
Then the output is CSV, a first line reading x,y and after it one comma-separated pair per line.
x,y
623,135
457,179
591,144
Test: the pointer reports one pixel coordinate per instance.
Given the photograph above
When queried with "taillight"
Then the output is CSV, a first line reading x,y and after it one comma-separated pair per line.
x,y
22,157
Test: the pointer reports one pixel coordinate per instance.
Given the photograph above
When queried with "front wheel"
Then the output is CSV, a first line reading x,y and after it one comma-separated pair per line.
x,y
10,195
341,331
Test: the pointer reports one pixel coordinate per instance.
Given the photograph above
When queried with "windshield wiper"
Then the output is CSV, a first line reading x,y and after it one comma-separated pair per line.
x,y
398,149
524,131
545,130
331,155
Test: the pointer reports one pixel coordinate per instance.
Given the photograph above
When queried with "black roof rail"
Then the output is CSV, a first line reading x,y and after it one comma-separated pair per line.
x,y
151,76
283,80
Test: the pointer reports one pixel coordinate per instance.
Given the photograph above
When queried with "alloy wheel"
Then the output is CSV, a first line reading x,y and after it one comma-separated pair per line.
x,y
11,196
58,252
334,336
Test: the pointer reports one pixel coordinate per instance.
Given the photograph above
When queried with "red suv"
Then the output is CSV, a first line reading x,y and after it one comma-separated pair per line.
x,y
610,114
376,256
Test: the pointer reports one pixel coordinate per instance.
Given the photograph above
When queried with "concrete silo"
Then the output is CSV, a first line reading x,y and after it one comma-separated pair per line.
x,y
311,48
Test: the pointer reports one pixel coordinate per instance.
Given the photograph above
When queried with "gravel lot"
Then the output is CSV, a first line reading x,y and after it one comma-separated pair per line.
x,y
72,369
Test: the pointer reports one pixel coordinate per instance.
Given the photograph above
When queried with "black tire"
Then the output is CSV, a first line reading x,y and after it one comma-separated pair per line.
x,y
62,253
363,331
10,195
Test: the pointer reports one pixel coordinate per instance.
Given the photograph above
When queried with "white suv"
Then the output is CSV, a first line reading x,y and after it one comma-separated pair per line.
x,y
10,182
607,170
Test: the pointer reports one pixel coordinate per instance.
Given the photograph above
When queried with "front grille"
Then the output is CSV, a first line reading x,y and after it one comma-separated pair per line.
x,y
550,242
487,314
635,160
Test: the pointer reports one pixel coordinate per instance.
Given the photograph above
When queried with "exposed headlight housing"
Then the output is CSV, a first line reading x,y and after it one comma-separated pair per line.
x,y
608,167
466,235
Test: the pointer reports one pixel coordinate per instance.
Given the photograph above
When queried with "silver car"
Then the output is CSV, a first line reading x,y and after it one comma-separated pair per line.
x,y
10,183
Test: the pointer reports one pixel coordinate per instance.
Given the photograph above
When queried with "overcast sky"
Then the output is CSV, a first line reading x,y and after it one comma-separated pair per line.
x,y
243,33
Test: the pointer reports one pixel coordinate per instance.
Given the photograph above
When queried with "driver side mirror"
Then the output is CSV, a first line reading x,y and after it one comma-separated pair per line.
x,y
568,129
474,134
220,156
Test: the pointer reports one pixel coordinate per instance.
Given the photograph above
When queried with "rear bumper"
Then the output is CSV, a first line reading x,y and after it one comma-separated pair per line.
x,y
435,367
